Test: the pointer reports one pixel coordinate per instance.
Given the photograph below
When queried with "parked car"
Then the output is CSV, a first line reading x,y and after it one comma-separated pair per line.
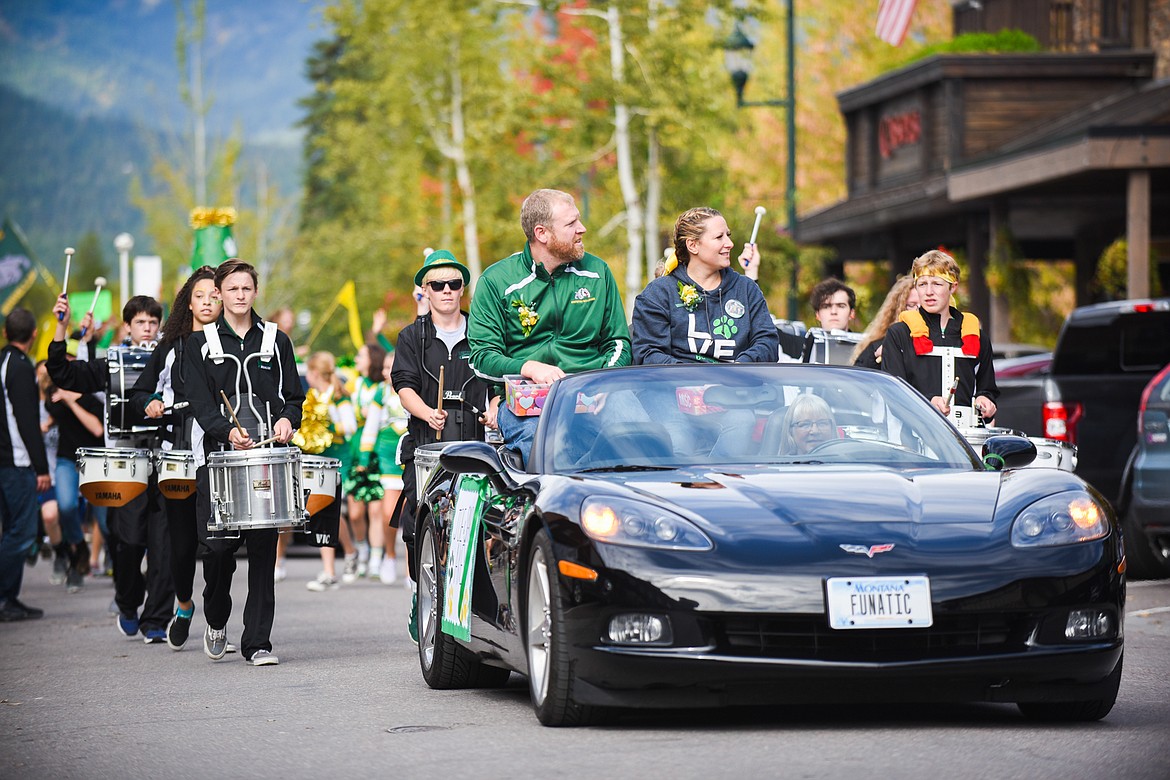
x,y
765,534
1146,486
1021,392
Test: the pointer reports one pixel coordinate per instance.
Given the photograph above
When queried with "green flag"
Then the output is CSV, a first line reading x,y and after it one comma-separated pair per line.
x,y
17,273
213,236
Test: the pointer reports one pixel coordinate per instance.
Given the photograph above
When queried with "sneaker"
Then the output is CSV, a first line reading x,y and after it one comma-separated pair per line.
x,y
60,570
363,568
113,607
74,581
127,626
374,569
178,630
323,583
349,573
215,643
279,574
230,648
412,621
263,658
389,571
154,636
13,609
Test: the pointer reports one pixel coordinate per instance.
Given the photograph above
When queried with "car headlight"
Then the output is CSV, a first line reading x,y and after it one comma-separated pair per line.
x,y
1066,518
638,524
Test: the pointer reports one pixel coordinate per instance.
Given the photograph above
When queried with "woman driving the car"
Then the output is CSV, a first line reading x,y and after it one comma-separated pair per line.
x,y
808,423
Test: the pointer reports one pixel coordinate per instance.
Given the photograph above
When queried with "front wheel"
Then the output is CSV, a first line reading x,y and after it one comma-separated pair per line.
x,y
549,665
444,662
1076,711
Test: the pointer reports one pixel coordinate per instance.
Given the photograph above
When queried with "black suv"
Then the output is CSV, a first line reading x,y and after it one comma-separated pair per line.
x,y
1105,357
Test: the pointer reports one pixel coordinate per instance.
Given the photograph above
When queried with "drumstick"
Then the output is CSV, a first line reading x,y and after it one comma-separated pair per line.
x,y
439,402
760,212
99,283
266,441
232,412
951,395
65,285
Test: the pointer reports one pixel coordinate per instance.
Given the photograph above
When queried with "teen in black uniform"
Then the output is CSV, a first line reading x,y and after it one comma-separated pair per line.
x,y
153,395
139,526
434,342
276,389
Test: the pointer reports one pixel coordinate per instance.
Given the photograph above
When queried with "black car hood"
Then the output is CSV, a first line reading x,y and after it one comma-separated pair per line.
x,y
818,495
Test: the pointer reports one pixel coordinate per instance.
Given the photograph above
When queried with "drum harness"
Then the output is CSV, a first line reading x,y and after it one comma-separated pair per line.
x,y
266,353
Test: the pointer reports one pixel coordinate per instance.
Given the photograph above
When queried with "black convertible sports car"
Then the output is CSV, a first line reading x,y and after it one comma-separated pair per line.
x,y
732,534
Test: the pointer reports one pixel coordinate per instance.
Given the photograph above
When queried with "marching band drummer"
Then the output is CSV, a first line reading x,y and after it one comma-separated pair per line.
x,y
138,527
270,377
153,394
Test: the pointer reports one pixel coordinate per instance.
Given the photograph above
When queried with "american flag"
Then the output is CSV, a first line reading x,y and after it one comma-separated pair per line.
x,y
894,19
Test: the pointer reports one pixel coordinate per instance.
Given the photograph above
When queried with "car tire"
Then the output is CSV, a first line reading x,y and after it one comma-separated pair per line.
x,y
1143,561
549,667
1076,711
445,663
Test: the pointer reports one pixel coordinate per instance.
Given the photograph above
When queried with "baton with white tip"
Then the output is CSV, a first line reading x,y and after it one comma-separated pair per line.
x,y
99,283
65,285
760,212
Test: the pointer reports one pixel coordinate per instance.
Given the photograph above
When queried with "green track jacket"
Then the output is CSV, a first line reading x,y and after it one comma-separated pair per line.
x,y
581,323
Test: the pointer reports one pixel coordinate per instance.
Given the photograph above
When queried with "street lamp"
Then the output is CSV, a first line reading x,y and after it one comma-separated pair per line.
x,y
737,58
124,242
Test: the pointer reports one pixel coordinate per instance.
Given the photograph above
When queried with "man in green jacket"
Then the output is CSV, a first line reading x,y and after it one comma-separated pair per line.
x,y
549,310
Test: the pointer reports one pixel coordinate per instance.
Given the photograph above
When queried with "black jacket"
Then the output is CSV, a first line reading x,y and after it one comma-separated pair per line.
x,y
976,376
417,359
274,382
162,379
82,376
22,413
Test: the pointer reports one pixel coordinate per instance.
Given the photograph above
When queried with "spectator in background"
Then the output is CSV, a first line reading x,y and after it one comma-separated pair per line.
x,y
901,297
24,466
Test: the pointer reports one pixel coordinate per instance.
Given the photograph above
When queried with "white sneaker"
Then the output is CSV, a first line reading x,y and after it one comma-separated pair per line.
x,y
375,568
323,583
279,574
389,571
349,573
263,658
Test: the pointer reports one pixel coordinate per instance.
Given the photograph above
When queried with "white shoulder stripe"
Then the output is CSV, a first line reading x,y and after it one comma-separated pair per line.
x,y
582,272
521,284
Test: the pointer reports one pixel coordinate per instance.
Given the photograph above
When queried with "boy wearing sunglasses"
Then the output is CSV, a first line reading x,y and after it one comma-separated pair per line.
x,y
437,342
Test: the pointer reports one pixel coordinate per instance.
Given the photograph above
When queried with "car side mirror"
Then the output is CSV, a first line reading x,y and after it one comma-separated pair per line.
x,y
1008,452
477,457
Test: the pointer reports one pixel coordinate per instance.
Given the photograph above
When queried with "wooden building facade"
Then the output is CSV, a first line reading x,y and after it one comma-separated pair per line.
x,y
1066,150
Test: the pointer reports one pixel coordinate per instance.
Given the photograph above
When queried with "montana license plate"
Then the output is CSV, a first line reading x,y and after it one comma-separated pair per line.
x,y
879,602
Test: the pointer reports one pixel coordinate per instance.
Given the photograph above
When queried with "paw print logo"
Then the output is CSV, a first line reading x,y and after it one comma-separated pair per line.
x,y
724,327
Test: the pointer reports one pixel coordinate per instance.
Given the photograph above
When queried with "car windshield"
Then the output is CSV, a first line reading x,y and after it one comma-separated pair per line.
x,y
678,416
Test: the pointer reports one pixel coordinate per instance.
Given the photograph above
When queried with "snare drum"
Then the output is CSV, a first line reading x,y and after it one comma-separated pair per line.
x,y
253,489
112,476
1050,453
321,477
176,473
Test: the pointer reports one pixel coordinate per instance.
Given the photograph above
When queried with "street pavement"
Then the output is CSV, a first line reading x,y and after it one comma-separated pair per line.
x,y
78,700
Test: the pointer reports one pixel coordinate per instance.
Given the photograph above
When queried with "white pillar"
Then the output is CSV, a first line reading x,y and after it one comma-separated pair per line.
x,y
123,242
1137,235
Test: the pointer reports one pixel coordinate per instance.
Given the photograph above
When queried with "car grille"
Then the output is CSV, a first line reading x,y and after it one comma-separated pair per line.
x,y
809,637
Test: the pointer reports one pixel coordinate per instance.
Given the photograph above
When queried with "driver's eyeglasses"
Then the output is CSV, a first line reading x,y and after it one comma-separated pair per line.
x,y
806,425
452,284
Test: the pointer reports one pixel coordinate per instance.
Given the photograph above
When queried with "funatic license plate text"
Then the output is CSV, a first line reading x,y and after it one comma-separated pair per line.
x,y
879,602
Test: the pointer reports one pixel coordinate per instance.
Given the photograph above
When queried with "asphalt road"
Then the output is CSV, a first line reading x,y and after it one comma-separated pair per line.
x,y
78,700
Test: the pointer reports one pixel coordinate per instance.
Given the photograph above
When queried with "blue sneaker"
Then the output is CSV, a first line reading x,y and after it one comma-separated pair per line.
x,y
127,626
154,636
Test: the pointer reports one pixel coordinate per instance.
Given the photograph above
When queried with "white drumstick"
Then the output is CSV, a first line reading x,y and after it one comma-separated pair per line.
x,y
98,283
65,284
760,212
427,252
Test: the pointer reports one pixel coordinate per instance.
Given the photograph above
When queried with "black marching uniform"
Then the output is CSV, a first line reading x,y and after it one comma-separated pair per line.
x,y
161,379
924,372
136,529
419,355
277,390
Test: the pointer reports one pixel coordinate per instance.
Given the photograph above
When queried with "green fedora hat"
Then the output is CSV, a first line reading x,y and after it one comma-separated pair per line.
x,y
441,258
